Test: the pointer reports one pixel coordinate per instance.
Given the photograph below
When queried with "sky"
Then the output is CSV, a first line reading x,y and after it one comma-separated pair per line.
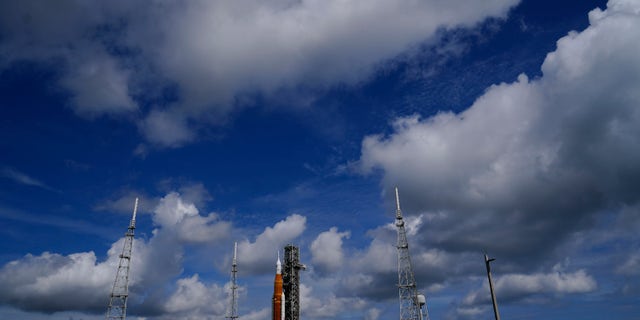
x,y
510,127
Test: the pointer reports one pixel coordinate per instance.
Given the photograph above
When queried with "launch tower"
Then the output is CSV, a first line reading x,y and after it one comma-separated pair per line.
x,y
410,301
291,279
120,292
233,304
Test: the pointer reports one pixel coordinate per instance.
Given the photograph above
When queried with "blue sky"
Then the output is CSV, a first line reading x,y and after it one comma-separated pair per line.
x,y
508,126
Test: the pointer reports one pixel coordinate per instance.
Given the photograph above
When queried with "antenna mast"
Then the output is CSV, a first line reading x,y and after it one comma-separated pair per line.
x,y
410,301
233,305
120,292
496,313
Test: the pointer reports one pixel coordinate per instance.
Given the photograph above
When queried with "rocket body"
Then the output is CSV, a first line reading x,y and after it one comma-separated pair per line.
x,y
278,295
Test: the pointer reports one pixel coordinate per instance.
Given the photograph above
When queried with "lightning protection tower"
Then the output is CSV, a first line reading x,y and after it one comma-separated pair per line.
x,y
120,292
291,282
233,304
410,301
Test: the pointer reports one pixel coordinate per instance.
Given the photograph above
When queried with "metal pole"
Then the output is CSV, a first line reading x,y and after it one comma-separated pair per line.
x,y
493,295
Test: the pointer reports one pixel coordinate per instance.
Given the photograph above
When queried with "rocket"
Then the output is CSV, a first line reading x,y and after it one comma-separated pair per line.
x,y
278,294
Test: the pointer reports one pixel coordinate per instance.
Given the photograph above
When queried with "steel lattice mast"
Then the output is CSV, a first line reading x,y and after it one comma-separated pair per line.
x,y
233,304
120,292
410,301
291,279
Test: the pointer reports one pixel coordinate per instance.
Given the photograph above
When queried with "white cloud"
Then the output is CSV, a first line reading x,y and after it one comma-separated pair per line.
x,y
310,40
195,300
53,282
172,210
412,224
195,193
326,250
258,314
380,256
216,52
577,282
470,312
328,306
373,271
529,161
36,281
512,287
172,213
370,273
260,255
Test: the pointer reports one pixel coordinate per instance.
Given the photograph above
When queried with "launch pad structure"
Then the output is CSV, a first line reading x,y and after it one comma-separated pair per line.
x,y
291,281
287,283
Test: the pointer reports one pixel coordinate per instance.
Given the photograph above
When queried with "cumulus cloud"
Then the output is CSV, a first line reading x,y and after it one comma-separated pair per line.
x,y
193,299
195,193
215,52
371,272
52,282
434,267
327,307
326,250
529,161
183,218
379,256
513,287
260,256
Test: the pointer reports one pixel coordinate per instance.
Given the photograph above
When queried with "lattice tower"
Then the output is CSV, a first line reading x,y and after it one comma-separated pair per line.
x,y
291,282
120,292
233,304
410,301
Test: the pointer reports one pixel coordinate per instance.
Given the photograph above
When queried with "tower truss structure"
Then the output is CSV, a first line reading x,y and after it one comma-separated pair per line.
x,y
120,292
410,301
291,280
233,303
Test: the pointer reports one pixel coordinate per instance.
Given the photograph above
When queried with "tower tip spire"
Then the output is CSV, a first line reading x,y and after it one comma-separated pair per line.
x,y
398,212
235,253
135,209
233,305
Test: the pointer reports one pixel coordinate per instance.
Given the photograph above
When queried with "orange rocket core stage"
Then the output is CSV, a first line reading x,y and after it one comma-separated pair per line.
x,y
278,295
